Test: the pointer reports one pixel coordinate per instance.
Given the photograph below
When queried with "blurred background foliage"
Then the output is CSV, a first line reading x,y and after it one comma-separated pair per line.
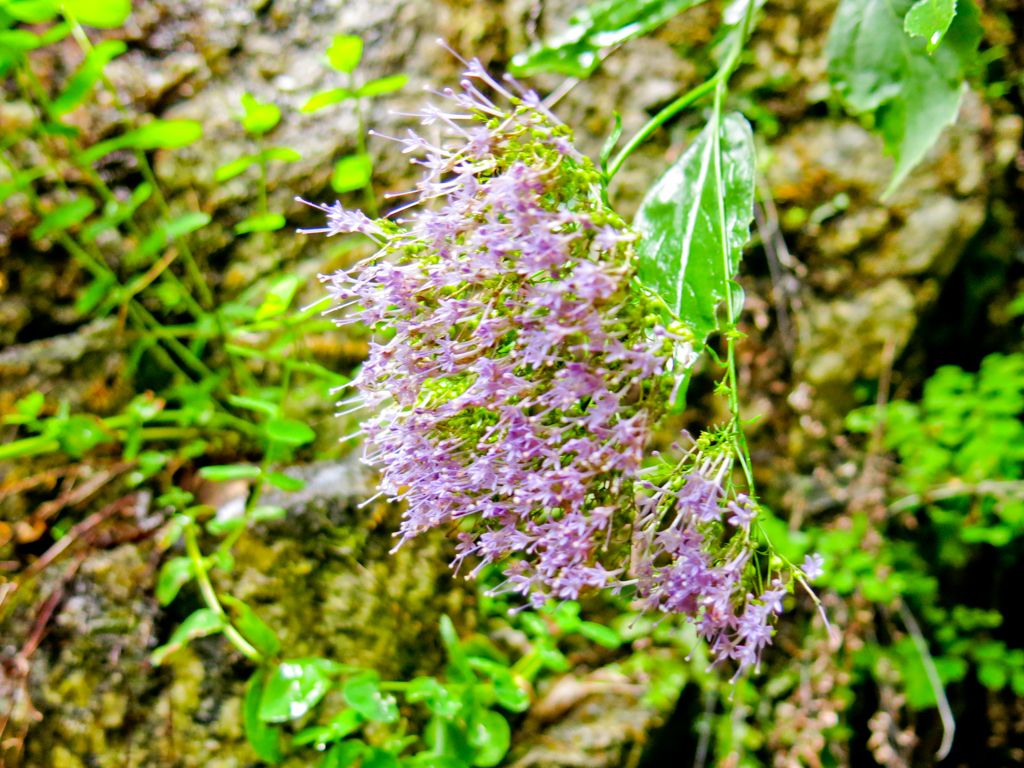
x,y
193,571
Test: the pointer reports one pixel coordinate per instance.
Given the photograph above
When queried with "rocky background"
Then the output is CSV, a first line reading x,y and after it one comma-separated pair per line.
x,y
842,289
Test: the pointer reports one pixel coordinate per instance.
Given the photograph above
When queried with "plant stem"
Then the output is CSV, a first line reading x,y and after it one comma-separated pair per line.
x,y
716,81
209,595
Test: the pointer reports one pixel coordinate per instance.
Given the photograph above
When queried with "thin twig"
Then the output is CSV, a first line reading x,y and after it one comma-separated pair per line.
x,y
941,702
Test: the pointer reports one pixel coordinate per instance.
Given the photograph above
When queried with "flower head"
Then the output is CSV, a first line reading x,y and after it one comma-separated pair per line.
x,y
518,374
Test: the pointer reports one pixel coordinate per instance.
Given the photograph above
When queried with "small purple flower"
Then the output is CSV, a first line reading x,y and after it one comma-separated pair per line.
x,y
813,566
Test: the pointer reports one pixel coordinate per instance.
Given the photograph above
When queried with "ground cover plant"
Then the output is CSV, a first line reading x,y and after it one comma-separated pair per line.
x,y
554,388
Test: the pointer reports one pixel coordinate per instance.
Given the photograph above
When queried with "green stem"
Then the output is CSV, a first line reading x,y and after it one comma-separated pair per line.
x,y
659,119
209,595
717,80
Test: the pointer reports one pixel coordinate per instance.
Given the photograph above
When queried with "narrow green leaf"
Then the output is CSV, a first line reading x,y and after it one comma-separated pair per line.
x,y
279,296
201,623
341,725
600,634
20,182
323,99
64,217
345,52
259,116
599,25
285,482
382,85
235,167
289,431
877,69
219,473
174,574
930,19
20,40
31,11
167,232
264,513
261,222
281,154
85,77
264,739
102,14
351,173
458,663
252,627
362,692
158,134
115,212
268,407
294,688
694,223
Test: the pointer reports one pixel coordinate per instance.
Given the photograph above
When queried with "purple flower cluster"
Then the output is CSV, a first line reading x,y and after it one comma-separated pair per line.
x,y
517,375
685,560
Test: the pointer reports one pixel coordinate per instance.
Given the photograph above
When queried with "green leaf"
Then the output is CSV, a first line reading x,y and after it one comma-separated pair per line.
x,y
201,623
289,431
235,167
295,687
261,222
877,69
28,408
362,692
352,172
102,14
345,52
382,85
268,407
166,232
20,182
600,634
993,675
78,434
323,99
379,758
281,154
115,212
252,627
694,223
438,699
506,691
930,19
219,473
447,740
64,217
31,11
341,725
259,116
19,40
158,134
458,663
263,513
599,25
285,482
490,734
175,573
264,739
344,754
279,296
81,82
